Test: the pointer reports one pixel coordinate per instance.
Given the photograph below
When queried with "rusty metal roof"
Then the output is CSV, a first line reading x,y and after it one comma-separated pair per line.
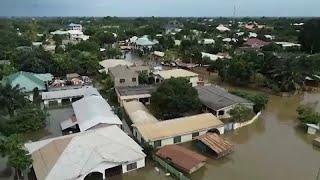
x,y
182,158
217,144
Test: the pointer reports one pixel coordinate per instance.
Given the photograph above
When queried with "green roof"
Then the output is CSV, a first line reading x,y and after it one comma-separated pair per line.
x,y
28,81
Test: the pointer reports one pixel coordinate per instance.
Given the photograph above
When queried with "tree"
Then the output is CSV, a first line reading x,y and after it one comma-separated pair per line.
x,y
174,98
260,101
307,114
309,37
11,98
18,158
28,119
241,114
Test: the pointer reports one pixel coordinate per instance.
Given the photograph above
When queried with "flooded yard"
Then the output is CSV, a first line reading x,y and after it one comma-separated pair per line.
x,y
274,147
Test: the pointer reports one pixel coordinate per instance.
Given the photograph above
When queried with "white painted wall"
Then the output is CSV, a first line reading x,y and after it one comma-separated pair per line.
x,y
140,164
166,141
186,138
194,81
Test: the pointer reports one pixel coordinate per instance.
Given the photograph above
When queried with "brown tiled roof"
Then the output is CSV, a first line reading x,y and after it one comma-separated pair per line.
x,y
184,159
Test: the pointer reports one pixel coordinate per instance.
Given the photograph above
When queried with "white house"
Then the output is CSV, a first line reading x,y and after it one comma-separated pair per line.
x,y
213,57
73,26
91,112
222,28
105,151
176,73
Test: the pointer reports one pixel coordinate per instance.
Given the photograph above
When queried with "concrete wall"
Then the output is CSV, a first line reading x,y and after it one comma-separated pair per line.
x,y
140,164
128,81
239,125
194,81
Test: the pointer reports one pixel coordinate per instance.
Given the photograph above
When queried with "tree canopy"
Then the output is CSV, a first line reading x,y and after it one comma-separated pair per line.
x,y
309,37
174,98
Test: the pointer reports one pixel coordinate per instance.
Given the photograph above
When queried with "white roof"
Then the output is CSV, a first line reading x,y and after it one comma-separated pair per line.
x,y
288,44
175,73
109,63
158,53
59,32
177,42
138,113
213,57
251,34
75,32
76,155
208,41
222,28
94,110
86,90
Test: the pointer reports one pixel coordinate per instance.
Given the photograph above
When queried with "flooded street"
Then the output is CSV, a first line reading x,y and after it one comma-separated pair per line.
x,y
274,147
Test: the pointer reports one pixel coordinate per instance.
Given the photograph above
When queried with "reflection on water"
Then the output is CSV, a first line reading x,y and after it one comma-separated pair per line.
x,y
274,147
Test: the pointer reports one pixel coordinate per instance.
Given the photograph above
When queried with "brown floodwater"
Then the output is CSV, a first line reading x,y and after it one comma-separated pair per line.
x,y
274,147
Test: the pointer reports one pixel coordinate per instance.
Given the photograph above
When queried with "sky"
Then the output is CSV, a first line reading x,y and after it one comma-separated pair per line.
x,y
164,8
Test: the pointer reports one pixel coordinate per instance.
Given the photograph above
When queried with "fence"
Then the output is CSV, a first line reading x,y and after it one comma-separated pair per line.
x,y
239,125
179,175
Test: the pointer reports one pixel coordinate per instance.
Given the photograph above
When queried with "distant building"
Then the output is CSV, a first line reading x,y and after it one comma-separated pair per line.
x,y
256,43
110,63
73,26
104,152
219,102
124,76
176,73
222,28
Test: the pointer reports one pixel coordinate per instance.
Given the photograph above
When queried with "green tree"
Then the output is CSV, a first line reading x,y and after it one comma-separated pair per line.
x,y
18,158
309,37
174,98
144,78
11,98
28,119
307,114
260,100
241,114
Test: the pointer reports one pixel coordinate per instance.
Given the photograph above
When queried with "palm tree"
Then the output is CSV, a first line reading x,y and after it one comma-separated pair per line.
x,y
11,98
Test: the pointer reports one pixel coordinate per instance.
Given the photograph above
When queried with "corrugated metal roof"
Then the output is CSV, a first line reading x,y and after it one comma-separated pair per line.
x,y
138,113
175,73
93,110
73,156
182,158
84,91
217,98
178,126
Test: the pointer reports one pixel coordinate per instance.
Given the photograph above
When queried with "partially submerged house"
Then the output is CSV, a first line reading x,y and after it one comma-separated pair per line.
x,y
178,130
90,112
106,151
219,101
141,93
182,158
176,73
124,76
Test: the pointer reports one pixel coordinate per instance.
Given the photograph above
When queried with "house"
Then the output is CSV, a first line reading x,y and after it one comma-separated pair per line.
x,y
140,93
182,158
28,81
77,35
313,128
256,43
222,28
124,76
105,151
207,41
212,57
145,42
73,26
176,131
109,63
90,112
219,102
176,73
158,54
288,45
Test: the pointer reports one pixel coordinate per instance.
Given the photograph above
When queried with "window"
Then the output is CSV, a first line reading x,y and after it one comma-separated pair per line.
x,y
177,139
196,134
157,143
132,166
221,113
134,79
122,80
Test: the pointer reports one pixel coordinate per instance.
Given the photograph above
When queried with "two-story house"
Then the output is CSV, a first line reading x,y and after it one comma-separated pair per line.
x,y
124,76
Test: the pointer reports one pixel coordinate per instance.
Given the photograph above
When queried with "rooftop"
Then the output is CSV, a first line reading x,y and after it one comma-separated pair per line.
x,y
73,156
178,126
217,98
136,90
120,71
109,63
183,158
175,73
84,91
93,110
138,113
